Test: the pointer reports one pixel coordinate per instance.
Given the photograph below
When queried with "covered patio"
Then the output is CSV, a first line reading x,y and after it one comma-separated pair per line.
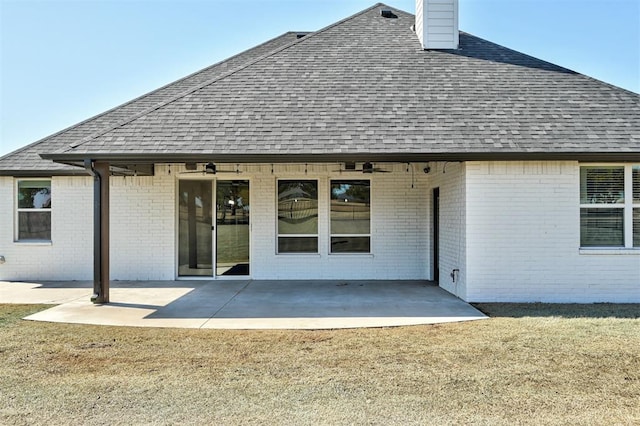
x,y
245,304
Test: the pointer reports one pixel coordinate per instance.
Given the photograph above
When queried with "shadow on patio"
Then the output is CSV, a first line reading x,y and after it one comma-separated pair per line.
x,y
247,304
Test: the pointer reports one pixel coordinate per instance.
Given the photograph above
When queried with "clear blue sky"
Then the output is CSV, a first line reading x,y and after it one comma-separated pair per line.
x,y
64,61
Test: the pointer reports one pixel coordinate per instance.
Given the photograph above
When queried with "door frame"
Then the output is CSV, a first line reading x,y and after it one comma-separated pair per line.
x,y
215,230
436,234
214,214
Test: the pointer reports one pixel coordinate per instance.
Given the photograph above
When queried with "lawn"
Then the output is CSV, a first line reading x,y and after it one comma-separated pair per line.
x,y
528,364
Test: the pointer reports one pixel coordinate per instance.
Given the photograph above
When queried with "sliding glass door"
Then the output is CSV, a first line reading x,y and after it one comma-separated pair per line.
x,y
195,238
232,227
205,245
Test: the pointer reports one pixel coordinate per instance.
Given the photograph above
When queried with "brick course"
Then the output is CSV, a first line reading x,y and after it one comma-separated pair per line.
x,y
511,229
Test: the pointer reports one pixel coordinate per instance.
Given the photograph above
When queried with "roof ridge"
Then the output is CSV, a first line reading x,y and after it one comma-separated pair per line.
x,y
214,80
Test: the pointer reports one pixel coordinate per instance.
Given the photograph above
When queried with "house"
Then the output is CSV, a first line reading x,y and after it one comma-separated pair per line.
x,y
384,146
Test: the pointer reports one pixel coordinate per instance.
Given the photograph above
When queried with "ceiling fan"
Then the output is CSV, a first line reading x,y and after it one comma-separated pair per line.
x,y
367,167
208,169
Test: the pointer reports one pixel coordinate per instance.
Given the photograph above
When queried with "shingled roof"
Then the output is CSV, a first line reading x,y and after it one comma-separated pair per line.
x,y
27,160
363,89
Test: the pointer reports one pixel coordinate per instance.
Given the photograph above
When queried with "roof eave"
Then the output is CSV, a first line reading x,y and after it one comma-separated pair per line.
x,y
78,158
43,173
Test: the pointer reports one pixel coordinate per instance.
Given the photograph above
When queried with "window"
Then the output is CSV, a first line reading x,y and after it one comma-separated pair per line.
x,y
610,206
297,216
635,179
350,216
33,218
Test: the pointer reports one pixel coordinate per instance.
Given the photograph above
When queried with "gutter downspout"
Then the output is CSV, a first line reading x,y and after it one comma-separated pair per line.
x,y
100,173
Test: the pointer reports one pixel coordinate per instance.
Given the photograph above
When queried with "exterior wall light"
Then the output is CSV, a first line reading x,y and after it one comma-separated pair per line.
x,y
210,169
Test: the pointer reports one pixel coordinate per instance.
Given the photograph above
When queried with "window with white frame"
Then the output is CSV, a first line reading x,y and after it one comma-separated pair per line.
x,y
610,205
350,216
33,210
635,182
297,216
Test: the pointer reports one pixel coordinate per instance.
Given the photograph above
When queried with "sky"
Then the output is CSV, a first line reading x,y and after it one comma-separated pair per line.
x,y
62,62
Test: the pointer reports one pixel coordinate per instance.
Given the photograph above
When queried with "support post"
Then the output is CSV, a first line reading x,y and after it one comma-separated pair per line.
x,y
100,172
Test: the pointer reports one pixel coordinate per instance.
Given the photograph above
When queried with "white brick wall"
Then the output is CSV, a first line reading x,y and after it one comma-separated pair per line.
x,y
523,237
143,220
69,255
399,227
450,178
142,229
510,228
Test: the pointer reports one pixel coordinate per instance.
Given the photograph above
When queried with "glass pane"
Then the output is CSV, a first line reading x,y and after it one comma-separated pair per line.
x,y
297,244
232,229
350,207
350,245
636,227
601,184
602,227
34,194
636,184
298,207
195,239
34,226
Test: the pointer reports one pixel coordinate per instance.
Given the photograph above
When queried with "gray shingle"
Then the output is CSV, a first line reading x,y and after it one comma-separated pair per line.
x,y
27,159
364,87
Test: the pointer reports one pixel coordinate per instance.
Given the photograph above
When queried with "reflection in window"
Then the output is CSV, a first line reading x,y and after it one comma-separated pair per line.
x,y
350,216
233,210
34,210
195,240
601,185
609,205
297,216
601,227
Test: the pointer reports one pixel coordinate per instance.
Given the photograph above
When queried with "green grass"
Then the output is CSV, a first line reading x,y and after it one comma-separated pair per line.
x,y
11,314
528,364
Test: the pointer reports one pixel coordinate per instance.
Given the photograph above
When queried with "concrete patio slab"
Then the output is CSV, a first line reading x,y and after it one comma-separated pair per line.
x,y
247,304
43,292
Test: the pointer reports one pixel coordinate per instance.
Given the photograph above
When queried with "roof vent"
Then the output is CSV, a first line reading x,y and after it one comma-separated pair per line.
x,y
387,13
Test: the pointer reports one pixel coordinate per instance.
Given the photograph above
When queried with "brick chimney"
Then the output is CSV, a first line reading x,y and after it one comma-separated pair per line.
x,y
437,23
